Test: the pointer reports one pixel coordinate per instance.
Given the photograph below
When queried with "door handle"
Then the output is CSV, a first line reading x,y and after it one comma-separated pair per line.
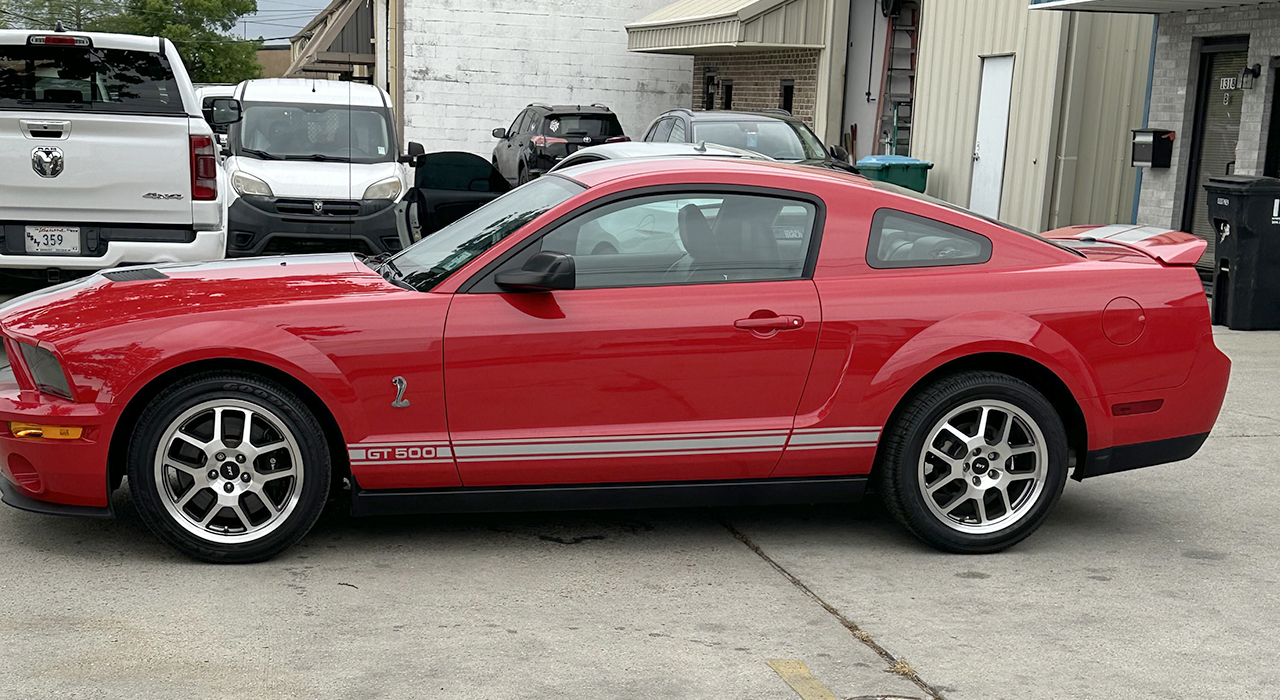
x,y
769,323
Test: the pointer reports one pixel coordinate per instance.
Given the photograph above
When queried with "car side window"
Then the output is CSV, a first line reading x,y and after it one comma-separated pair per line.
x,y
899,240
531,123
663,132
515,125
691,238
677,131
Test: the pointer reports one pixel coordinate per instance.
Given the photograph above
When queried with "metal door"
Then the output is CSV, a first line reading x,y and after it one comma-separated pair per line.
x,y
992,135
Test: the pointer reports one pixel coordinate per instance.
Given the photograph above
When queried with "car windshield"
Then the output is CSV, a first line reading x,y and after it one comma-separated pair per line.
x,y
774,138
315,132
428,262
74,78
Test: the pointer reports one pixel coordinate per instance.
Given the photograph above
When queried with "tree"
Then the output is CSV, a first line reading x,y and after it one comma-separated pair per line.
x,y
200,29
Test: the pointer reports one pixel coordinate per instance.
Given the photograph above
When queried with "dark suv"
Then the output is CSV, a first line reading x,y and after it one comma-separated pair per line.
x,y
774,133
542,135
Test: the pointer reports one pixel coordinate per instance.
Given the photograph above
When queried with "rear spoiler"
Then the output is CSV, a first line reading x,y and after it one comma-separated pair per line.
x,y
1166,245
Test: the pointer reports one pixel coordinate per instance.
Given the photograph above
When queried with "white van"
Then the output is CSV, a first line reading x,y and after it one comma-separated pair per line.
x,y
315,167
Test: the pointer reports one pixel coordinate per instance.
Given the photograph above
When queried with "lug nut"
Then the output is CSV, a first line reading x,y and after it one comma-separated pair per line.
x,y
245,477
977,451
240,459
993,456
213,473
977,481
228,487
220,456
966,466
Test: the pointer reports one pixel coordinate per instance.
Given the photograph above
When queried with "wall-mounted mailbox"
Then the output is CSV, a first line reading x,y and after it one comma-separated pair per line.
x,y
1153,148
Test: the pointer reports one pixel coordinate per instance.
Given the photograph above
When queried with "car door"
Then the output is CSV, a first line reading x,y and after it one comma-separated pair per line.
x,y
680,355
446,187
505,153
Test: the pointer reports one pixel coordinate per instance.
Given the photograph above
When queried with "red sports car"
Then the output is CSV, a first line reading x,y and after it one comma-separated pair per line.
x,y
622,334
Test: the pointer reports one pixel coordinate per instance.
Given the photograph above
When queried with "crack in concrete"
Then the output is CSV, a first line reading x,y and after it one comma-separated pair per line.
x,y
897,666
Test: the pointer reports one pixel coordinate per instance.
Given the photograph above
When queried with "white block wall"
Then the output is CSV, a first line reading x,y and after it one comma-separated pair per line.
x,y
472,65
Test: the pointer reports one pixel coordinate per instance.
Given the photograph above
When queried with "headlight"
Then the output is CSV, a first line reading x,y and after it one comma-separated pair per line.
x,y
384,189
244,183
45,370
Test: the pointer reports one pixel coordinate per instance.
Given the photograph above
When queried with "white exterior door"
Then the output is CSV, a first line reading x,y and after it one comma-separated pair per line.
x,y
993,133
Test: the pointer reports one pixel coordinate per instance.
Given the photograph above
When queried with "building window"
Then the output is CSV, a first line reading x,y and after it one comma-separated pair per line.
x,y
726,94
788,95
709,91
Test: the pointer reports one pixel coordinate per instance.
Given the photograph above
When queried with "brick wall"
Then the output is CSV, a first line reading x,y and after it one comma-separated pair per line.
x,y
757,79
1173,98
472,66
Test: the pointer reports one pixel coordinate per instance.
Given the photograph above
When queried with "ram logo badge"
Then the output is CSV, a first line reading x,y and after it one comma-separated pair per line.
x,y
46,161
401,385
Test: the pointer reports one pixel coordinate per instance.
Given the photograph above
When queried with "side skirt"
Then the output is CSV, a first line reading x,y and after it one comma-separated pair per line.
x,y
608,496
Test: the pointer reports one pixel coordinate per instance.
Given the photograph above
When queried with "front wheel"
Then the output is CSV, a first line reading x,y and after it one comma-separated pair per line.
x,y
974,463
229,467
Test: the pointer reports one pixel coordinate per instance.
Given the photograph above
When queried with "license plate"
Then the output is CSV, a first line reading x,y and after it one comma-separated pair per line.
x,y
59,240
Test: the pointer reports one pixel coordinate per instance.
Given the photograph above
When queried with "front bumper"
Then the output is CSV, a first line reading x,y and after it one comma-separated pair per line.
x,y
255,227
54,476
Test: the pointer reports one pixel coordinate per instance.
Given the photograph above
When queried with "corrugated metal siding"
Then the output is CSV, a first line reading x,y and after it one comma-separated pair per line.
x,y
700,34
693,9
1069,121
794,23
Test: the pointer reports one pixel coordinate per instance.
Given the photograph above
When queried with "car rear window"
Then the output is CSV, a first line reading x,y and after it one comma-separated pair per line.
x,y
87,79
593,125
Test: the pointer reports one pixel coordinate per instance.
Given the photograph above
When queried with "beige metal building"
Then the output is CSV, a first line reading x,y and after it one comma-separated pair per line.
x,y
1027,115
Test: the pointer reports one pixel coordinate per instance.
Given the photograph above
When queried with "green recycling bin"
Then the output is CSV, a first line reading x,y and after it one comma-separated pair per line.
x,y
911,173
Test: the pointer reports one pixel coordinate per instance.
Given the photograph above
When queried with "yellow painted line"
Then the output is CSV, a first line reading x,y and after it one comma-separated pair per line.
x,y
801,680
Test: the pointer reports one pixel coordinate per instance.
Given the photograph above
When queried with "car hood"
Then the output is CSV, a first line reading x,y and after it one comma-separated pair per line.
x,y
132,295
307,179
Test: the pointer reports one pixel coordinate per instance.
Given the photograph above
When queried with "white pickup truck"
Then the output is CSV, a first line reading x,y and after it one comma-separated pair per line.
x,y
105,156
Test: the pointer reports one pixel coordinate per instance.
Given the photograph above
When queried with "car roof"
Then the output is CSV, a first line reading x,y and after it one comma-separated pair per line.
x,y
126,42
311,91
645,149
723,116
604,171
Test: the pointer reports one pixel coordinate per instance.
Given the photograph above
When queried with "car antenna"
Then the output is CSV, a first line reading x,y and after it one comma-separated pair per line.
x,y
701,147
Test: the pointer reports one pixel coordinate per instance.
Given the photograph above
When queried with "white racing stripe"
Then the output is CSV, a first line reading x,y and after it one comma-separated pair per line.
x,y
613,446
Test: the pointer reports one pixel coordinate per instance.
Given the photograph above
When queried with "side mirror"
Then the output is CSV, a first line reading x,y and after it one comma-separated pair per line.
x,y
500,133
415,151
544,272
839,153
221,111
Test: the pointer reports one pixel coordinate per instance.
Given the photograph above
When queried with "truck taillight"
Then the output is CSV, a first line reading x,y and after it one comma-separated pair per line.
x,y
204,169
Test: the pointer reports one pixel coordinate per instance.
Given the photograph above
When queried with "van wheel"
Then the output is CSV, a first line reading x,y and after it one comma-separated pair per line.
x,y
974,463
229,468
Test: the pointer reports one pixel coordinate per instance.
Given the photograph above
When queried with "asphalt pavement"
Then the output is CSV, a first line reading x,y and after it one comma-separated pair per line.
x,y
1159,583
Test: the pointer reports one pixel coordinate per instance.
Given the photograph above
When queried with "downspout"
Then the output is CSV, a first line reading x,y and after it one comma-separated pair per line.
x,y
1146,111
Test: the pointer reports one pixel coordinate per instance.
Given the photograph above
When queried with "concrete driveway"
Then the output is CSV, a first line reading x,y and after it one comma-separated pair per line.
x,y
1154,584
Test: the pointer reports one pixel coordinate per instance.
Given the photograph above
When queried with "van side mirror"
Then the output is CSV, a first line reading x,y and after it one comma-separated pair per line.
x,y
544,272
500,133
415,151
221,111
839,153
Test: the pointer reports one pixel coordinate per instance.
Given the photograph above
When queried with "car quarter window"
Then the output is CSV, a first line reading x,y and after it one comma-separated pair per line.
x,y
677,131
899,240
663,131
688,238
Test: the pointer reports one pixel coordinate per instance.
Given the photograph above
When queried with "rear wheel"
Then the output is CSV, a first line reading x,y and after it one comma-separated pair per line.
x,y
523,176
975,462
229,467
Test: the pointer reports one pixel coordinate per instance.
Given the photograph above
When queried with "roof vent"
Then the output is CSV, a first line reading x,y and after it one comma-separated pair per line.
x,y
136,274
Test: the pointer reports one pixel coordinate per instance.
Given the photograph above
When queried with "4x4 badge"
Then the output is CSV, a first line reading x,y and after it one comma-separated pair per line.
x,y
46,161
401,385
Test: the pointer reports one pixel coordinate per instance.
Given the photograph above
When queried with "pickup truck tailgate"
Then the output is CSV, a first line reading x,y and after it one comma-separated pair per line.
x,y
115,168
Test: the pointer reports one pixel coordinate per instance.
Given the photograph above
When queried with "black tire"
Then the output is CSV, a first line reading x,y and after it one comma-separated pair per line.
x,y
522,176
903,475
279,416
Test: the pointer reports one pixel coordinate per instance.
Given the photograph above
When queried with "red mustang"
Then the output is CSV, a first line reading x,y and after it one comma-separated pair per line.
x,y
626,333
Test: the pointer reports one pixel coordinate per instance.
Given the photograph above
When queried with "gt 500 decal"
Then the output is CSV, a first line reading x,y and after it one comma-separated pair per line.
x,y
398,453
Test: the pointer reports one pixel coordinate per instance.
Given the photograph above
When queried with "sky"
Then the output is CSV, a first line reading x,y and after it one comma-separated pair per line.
x,y
279,18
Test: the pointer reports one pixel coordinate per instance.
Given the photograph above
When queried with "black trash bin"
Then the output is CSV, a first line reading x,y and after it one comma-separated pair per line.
x,y
1245,214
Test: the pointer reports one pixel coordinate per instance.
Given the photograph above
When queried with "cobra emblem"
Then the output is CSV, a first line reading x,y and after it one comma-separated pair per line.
x,y
401,386
46,161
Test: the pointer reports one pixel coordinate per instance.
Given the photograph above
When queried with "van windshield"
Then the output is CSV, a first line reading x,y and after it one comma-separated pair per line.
x,y
315,132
